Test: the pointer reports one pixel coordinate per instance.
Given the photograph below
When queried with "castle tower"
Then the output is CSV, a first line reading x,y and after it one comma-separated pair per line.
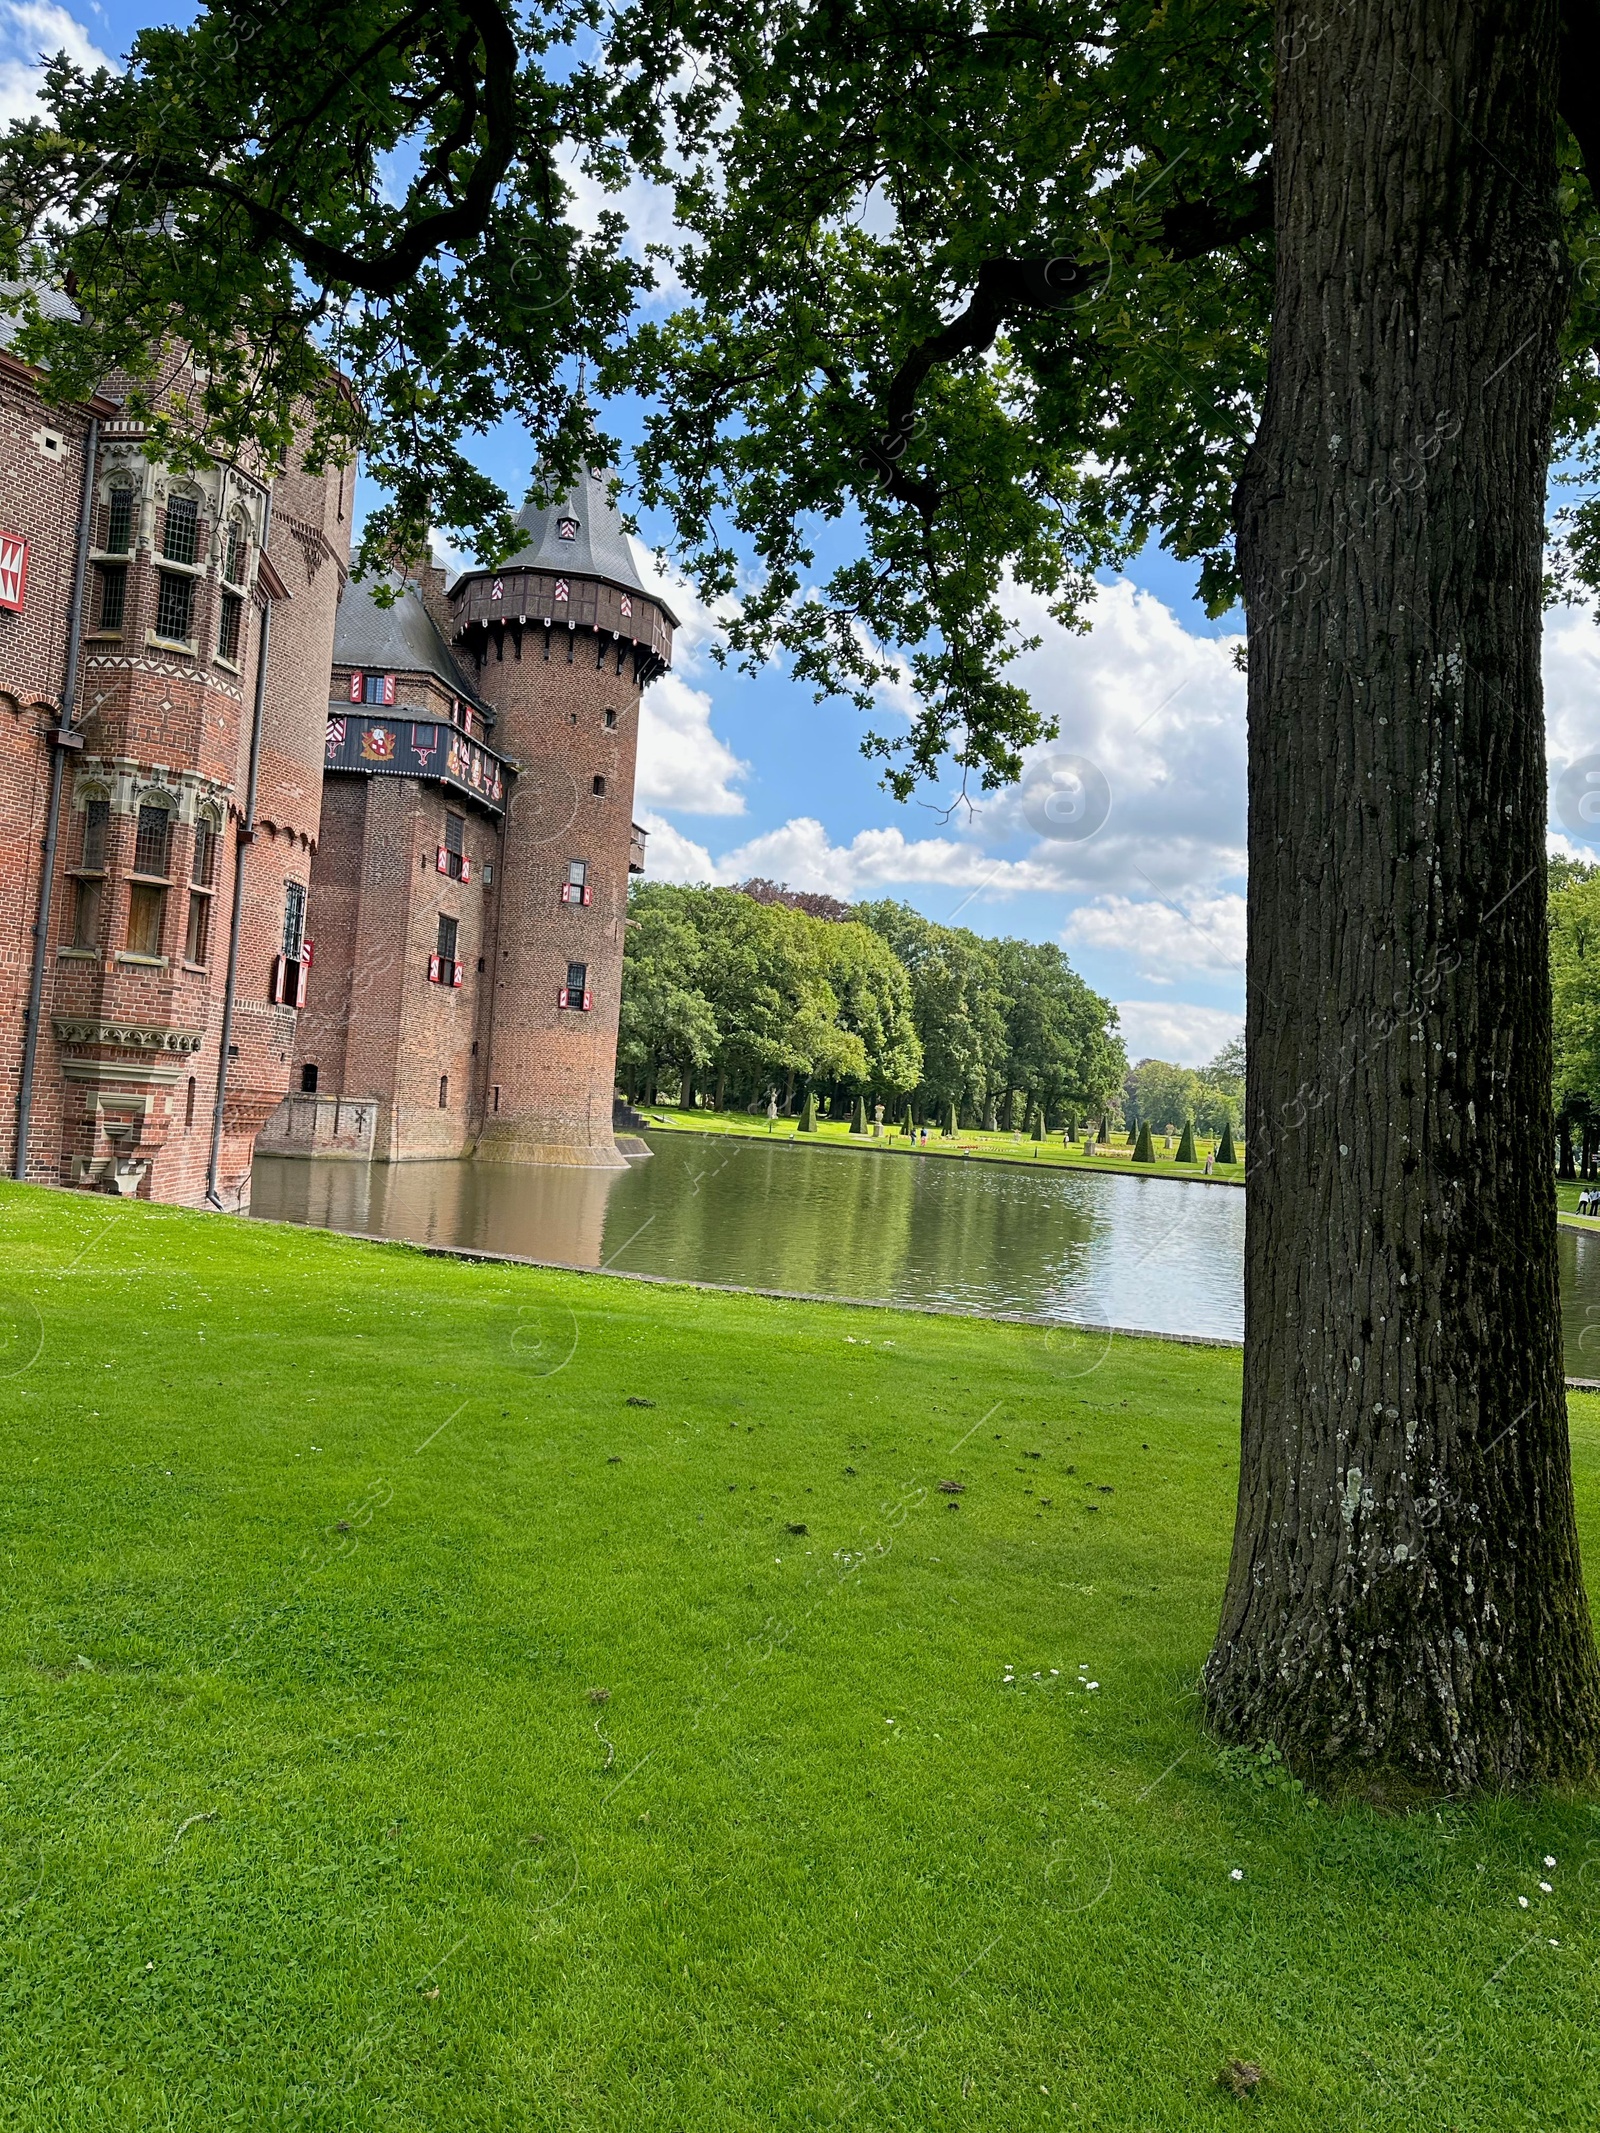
x,y
563,639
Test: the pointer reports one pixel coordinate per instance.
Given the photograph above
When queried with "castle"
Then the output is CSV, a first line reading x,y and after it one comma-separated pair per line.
x,y
291,865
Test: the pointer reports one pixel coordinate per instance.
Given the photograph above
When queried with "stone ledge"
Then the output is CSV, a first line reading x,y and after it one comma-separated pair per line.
x,y
126,1036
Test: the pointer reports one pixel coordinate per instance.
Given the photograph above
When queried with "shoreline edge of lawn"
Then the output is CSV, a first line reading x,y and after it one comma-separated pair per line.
x,y
473,1254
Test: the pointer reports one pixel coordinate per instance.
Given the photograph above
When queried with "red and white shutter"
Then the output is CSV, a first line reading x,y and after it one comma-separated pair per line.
x,y
13,572
433,969
357,682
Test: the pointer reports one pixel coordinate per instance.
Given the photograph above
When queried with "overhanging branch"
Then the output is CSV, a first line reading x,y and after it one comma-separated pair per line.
x,y
383,273
1006,287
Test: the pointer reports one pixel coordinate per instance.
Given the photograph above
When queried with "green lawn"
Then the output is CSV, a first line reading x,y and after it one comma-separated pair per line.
x,y
459,1696
991,1147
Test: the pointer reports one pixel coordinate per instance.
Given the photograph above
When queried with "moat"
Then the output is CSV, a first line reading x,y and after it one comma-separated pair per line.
x,y
1152,1254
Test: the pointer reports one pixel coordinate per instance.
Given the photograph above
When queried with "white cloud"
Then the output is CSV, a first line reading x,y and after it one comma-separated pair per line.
x,y
648,210
1571,684
1165,940
669,855
682,763
1160,710
802,854
1163,1029
29,30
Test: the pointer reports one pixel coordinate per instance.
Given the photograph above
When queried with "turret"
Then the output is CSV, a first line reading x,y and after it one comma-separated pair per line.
x,y
562,640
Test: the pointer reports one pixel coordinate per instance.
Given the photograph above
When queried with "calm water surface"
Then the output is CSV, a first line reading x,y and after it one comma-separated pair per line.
x,y
1120,1251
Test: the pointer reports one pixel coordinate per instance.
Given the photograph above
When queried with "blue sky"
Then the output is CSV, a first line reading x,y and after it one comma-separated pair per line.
x,y
745,774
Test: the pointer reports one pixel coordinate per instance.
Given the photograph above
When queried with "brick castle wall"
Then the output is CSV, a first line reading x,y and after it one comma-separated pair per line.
x,y
40,490
130,1032
377,1026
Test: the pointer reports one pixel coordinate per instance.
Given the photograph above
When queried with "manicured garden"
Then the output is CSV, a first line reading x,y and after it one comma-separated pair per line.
x,y
454,1695
1116,1154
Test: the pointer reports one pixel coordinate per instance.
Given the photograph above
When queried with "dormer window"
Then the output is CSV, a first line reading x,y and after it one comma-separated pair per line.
x,y
372,688
567,529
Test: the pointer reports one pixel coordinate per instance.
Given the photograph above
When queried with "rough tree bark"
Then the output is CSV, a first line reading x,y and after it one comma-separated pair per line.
x,y
1405,1589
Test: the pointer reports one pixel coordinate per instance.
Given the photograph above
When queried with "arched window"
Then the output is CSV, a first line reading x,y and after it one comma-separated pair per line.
x,y
88,886
121,513
147,893
152,844
444,1092
180,531
202,883
188,1108
96,825
235,549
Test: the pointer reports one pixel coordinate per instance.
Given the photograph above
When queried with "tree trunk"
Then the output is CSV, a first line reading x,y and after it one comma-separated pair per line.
x,y
1405,1593
1565,1167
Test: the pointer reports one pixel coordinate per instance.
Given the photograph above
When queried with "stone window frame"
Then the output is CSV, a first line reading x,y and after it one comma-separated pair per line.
x,y
165,565
121,479
200,914
235,528
146,890
87,911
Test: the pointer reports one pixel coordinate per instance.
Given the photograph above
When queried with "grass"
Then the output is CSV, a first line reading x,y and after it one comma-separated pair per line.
x,y
424,1709
988,1147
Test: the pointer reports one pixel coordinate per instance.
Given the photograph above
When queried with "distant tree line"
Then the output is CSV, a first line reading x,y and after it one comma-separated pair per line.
x,y
740,996
1165,1097
1575,993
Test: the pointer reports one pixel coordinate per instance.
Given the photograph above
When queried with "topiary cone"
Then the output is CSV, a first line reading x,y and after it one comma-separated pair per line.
x,y
1144,1148
907,1124
858,1117
1186,1152
1038,1125
808,1113
1225,1149
949,1127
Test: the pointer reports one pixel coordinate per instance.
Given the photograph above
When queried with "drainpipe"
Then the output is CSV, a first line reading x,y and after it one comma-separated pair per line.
x,y
62,739
245,838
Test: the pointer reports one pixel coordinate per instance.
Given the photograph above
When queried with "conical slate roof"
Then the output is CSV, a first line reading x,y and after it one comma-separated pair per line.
x,y
592,546
403,638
